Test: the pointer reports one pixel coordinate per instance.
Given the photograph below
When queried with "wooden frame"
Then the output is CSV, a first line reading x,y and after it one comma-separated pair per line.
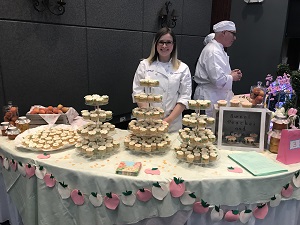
x,y
237,125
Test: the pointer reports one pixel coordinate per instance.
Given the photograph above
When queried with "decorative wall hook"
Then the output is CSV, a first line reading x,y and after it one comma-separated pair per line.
x,y
55,7
167,19
253,1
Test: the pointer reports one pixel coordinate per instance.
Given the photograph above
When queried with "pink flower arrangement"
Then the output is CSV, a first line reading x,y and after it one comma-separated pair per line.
x,y
292,113
281,84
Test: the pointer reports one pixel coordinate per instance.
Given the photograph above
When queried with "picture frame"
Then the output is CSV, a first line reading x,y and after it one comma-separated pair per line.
x,y
243,129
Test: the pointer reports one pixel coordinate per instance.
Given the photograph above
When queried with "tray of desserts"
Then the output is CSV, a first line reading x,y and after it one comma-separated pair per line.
x,y
197,155
98,148
153,113
197,136
148,128
195,120
96,100
147,145
47,138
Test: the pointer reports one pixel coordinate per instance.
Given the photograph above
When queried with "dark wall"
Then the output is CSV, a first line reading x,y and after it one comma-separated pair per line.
x,y
260,35
94,47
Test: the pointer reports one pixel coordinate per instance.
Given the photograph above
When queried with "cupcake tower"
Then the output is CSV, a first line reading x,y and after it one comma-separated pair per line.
x,y
95,136
148,132
197,140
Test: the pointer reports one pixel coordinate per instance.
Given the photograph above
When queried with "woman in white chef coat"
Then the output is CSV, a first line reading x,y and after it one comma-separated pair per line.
x,y
173,75
213,73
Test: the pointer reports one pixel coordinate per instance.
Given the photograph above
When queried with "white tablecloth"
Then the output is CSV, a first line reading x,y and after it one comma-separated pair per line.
x,y
39,204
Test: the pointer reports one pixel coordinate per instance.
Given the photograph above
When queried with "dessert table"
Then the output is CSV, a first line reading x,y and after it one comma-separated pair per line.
x,y
37,203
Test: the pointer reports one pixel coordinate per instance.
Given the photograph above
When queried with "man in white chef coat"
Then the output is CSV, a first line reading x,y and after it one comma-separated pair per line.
x,y
213,73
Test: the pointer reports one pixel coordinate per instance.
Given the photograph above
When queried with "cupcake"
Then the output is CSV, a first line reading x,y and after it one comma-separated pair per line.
x,y
246,104
197,156
157,98
222,103
137,147
210,120
180,154
89,151
88,99
230,138
101,150
213,156
234,103
205,159
192,104
190,158
109,147
249,140
147,148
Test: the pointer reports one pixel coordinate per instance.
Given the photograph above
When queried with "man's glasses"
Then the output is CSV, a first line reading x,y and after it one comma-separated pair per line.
x,y
234,34
167,43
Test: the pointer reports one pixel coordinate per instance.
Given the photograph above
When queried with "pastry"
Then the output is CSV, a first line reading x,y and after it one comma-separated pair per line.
x,y
246,104
234,103
190,158
180,154
222,103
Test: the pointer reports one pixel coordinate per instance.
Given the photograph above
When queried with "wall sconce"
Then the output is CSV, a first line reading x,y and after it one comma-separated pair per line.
x,y
253,1
56,9
166,19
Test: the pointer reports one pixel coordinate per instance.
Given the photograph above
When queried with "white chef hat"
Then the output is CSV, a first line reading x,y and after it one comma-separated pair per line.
x,y
208,38
224,25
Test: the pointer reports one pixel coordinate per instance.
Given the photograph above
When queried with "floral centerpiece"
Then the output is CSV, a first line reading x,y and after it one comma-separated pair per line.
x,y
279,91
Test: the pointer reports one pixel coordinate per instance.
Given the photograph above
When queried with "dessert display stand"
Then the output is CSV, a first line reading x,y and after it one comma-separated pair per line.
x,y
197,138
148,132
96,139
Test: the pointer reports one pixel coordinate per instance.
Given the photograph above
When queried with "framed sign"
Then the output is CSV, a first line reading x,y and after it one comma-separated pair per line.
x,y
242,128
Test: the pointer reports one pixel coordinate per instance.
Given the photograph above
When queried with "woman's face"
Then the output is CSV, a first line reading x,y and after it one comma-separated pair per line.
x,y
164,47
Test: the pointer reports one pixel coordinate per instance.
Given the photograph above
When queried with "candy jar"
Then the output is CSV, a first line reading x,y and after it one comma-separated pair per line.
x,y
22,123
10,113
258,95
3,127
12,132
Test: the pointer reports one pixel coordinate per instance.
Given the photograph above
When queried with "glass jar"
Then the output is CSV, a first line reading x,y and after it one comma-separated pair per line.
x,y
12,132
11,113
280,122
4,126
274,141
22,123
258,95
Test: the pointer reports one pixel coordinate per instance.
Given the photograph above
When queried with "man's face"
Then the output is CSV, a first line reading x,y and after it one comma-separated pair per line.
x,y
229,38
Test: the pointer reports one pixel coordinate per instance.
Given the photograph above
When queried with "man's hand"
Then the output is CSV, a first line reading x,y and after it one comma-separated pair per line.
x,y
236,74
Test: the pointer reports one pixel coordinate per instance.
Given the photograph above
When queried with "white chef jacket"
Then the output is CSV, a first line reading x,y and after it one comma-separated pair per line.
x,y
175,86
213,75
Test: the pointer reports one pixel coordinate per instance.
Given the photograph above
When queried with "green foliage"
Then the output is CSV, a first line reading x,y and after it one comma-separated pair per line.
x,y
294,101
283,68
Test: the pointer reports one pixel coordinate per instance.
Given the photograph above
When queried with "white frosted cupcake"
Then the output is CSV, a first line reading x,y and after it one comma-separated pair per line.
x,y
56,145
137,147
102,150
197,156
180,154
89,151
116,144
190,158
147,148
213,156
210,120
205,159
